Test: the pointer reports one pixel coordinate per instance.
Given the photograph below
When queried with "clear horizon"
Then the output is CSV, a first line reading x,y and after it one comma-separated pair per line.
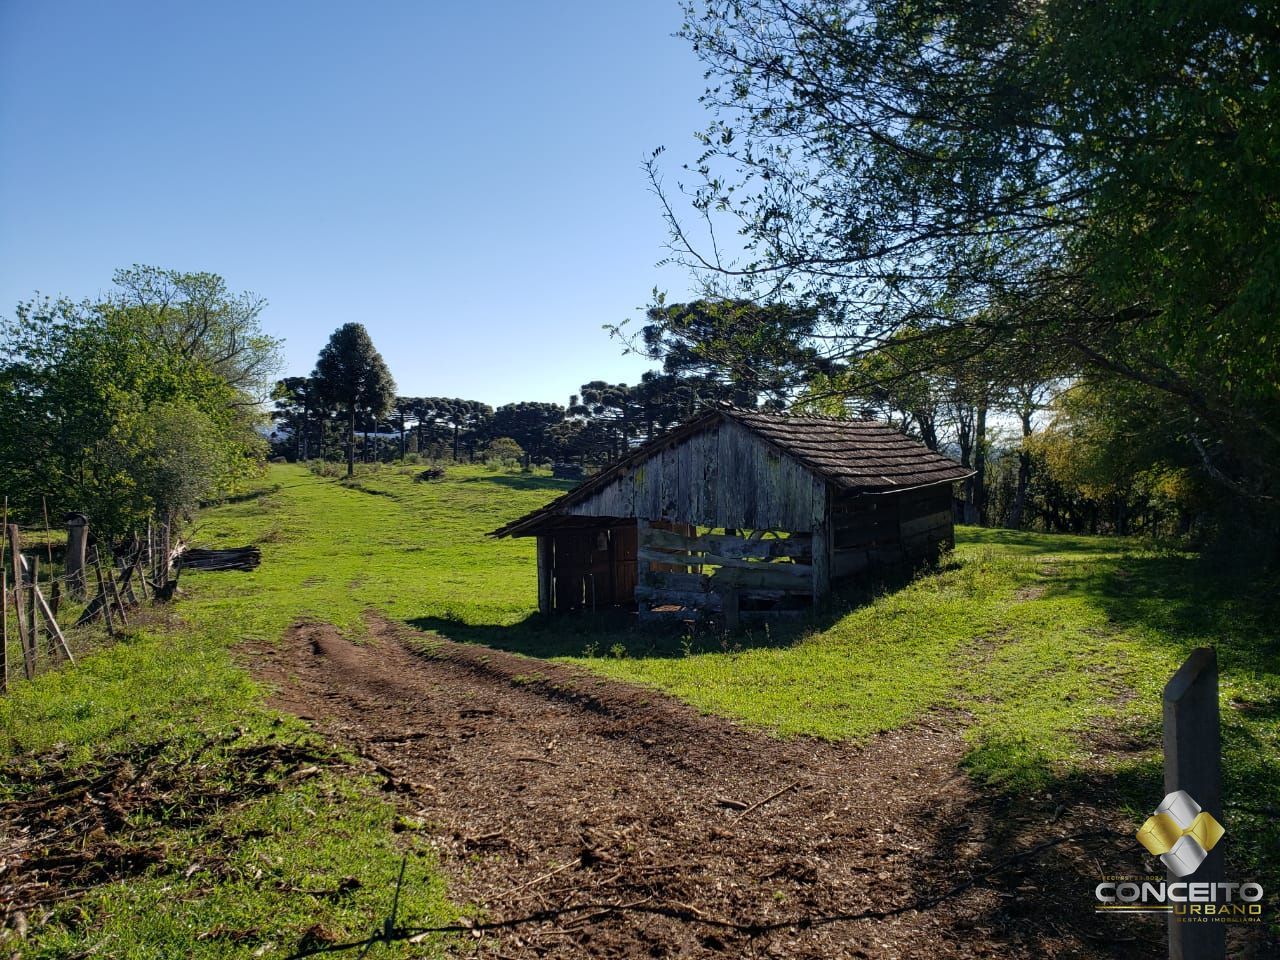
x,y
466,183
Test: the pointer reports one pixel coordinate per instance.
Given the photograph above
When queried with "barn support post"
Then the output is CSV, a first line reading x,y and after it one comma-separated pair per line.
x,y
731,619
546,560
821,547
643,567
1193,762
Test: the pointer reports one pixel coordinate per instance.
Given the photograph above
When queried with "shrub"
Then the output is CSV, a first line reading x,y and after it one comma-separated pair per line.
x,y
504,450
326,468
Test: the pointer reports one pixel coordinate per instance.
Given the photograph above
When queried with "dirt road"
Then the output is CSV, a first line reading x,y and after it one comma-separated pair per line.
x,y
546,786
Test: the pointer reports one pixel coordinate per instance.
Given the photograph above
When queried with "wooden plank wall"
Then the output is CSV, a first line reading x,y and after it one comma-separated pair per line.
x,y
890,529
685,575
590,568
724,476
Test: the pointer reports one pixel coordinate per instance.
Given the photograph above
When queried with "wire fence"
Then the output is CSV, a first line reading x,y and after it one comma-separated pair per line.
x,y
43,588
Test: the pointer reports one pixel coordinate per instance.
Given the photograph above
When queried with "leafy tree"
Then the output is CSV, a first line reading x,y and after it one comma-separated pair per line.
x,y
529,424
1100,177
1106,463
350,373
751,352
301,411
196,317
503,450
100,416
403,408
612,418
453,421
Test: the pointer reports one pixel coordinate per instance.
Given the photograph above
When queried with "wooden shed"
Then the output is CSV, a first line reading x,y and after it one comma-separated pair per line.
x,y
741,514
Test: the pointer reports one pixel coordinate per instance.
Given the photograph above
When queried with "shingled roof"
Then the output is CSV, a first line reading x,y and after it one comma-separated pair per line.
x,y
854,456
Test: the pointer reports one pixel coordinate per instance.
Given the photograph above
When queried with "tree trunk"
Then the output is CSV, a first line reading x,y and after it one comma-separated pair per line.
x,y
980,464
928,430
351,441
1024,476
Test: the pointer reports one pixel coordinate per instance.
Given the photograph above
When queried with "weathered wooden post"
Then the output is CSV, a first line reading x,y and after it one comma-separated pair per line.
x,y
30,573
1193,762
4,629
102,593
820,545
15,578
166,548
77,544
731,615
546,562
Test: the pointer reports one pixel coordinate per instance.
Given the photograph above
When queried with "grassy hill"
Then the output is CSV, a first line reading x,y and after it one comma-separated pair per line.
x,y
1048,651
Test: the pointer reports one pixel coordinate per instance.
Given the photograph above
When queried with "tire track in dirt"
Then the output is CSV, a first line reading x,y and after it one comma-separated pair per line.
x,y
545,785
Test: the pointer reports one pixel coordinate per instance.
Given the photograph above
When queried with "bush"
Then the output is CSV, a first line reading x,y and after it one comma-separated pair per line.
x,y
326,468
504,450
431,473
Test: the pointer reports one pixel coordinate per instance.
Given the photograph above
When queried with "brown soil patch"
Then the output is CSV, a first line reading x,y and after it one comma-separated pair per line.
x,y
547,786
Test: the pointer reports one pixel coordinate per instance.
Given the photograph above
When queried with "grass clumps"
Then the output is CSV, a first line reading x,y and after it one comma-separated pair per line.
x,y
152,809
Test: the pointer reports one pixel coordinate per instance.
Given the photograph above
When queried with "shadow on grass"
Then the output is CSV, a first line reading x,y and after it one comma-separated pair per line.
x,y
1174,603
248,496
1181,601
1058,884
523,481
612,632
604,634
1027,543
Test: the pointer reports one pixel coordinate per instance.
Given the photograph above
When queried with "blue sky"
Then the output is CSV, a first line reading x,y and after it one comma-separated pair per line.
x,y
464,179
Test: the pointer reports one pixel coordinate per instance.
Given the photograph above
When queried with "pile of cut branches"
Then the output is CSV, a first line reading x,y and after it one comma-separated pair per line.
x,y
67,828
234,558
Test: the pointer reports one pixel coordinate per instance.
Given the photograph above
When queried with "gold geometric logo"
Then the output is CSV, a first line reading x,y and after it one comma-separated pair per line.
x,y
1180,833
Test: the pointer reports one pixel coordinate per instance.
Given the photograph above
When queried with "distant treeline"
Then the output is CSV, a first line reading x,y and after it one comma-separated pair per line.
x,y
598,425
1037,440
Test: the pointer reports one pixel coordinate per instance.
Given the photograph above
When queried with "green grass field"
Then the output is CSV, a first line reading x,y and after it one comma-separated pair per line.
x,y
1048,651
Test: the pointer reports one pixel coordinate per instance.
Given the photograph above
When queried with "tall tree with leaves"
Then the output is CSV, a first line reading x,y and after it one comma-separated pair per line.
x,y
352,374
100,416
530,424
195,316
752,352
1101,176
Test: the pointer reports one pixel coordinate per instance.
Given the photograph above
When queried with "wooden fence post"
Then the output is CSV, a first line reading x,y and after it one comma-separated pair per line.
x,y
77,542
115,595
1193,762
57,640
33,621
166,548
15,579
102,592
4,629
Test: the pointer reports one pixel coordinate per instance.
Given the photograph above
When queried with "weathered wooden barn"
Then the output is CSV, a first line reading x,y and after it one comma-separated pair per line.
x,y
739,514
